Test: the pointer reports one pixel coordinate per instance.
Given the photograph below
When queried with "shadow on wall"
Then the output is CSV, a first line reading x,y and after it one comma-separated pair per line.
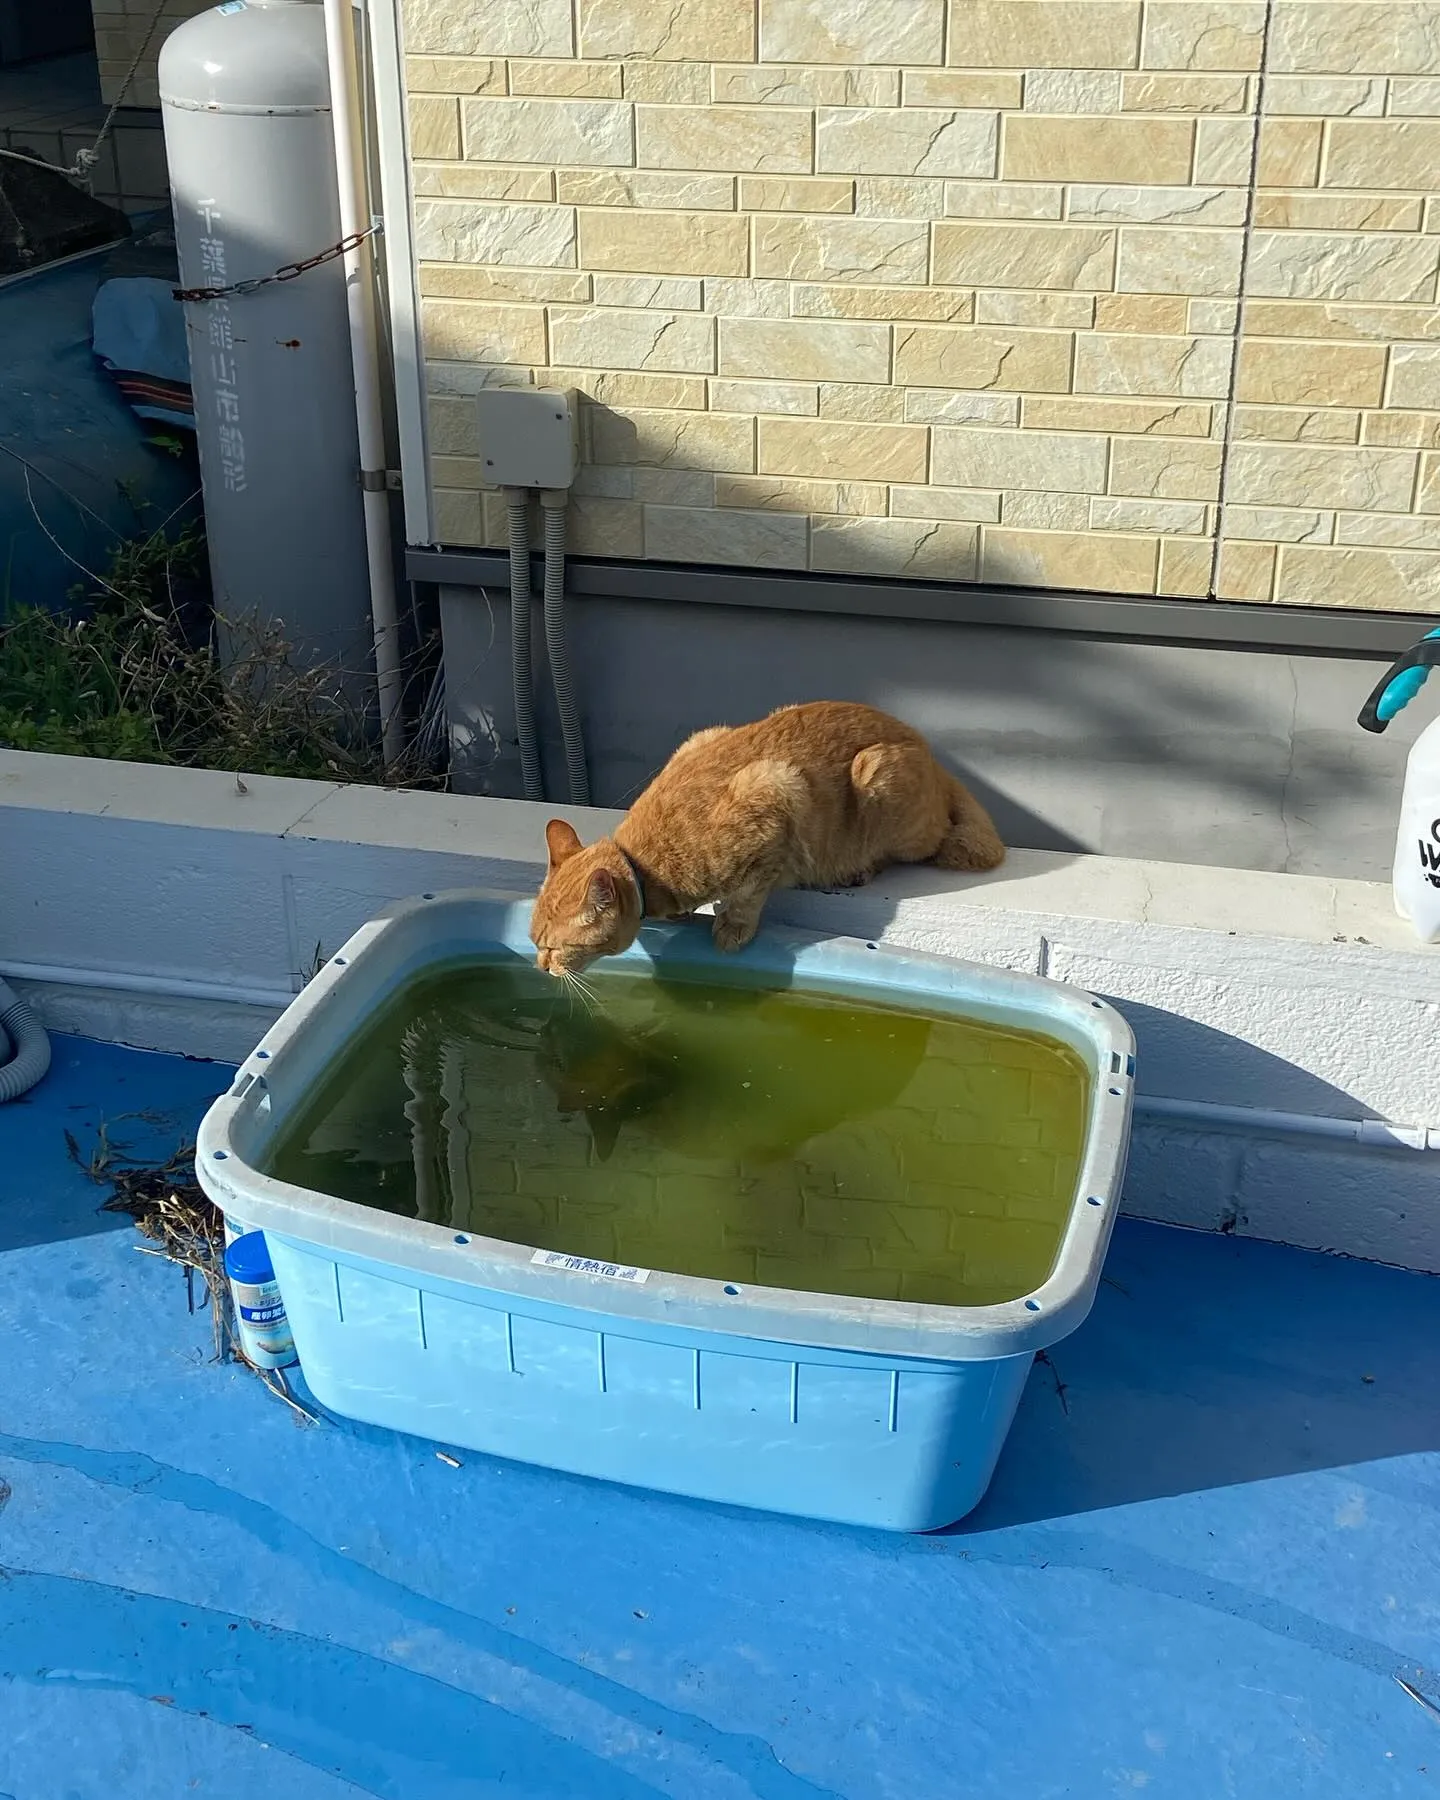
x,y
985,698
1180,1058
1177,1056
1177,753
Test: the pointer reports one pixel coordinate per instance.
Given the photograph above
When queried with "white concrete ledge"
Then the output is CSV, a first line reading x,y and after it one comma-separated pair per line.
x,y
138,901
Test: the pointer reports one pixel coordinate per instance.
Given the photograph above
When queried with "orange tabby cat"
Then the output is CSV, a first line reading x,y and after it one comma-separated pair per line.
x,y
823,795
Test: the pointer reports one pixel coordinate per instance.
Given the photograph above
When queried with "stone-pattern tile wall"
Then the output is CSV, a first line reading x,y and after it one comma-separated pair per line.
x,y
121,27
951,291
1333,484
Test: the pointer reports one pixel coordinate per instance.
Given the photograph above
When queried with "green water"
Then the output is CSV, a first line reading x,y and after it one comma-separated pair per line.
x,y
789,1139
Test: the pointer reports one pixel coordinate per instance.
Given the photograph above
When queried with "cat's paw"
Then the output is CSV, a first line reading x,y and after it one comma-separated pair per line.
x,y
730,933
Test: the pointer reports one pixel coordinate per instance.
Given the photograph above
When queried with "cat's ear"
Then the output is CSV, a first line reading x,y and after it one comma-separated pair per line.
x,y
600,895
604,1131
562,841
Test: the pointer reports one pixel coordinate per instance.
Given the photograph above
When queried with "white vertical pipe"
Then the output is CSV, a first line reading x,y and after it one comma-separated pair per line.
x,y
355,216
384,30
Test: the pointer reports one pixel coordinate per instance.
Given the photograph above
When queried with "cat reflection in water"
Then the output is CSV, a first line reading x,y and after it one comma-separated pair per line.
x,y
751,1078
823,795
609,1074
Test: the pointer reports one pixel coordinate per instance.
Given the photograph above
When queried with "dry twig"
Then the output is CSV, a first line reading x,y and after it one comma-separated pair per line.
x,y
169,1207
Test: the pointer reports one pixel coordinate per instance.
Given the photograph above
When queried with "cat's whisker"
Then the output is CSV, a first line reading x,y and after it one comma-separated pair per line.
x,y
587,989
577,989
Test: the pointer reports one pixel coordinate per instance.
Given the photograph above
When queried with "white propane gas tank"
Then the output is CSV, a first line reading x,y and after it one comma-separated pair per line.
x,y
245,98
1416,879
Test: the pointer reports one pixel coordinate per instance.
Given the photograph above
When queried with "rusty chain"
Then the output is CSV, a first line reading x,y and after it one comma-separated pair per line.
x,y
286,271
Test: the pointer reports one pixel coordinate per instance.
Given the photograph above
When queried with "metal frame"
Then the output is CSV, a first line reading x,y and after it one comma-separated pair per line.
x,y
1218,624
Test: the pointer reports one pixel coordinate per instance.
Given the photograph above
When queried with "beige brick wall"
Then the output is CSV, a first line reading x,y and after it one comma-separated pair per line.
x,y
120,32
1002,289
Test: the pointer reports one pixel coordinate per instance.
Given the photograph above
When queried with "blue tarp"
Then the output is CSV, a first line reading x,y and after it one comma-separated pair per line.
x,y
76,473
139,337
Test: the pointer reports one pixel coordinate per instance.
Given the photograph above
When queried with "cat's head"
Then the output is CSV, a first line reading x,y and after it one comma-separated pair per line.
x,y
580,1089
588,905
596,1068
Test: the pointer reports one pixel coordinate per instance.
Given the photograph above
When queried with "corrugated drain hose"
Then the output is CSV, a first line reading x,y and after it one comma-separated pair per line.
x,y
20,1029
519,522
552,502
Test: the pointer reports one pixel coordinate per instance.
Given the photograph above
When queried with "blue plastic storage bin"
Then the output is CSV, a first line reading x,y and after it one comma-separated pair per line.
x,y
872,1412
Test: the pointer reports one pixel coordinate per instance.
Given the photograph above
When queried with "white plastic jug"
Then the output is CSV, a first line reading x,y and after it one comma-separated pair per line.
x,y
1416,878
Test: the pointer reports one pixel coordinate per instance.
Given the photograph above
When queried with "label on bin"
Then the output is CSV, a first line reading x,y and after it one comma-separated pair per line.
x,y
587,1265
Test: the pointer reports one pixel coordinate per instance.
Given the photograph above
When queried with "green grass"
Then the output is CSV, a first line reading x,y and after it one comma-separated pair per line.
x,y
123,676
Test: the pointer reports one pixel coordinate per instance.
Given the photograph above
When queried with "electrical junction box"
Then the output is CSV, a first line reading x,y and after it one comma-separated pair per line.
x,y
529,437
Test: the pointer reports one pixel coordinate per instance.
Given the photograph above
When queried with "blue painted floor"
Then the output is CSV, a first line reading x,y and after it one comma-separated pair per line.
x,y
1212,1546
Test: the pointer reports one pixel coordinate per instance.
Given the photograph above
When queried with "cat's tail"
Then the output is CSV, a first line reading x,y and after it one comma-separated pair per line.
x,y
971,842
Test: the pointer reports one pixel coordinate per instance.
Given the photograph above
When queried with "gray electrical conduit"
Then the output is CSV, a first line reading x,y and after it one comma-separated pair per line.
x,y
517,504
552,503
21,1029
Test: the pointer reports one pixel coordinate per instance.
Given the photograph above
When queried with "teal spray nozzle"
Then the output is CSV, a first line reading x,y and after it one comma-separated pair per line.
x,y
1401,682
